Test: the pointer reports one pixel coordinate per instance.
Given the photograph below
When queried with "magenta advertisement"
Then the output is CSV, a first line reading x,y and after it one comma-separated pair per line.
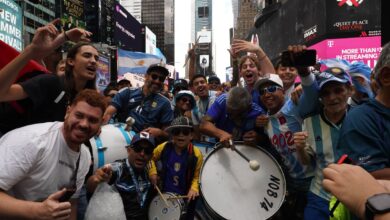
x,y
365,49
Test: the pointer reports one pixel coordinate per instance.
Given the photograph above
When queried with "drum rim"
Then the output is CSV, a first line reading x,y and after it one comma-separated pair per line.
x,y
181,202
208,207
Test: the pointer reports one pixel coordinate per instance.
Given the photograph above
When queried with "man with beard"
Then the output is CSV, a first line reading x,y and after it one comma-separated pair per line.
x,y
151,110
44,165
205,99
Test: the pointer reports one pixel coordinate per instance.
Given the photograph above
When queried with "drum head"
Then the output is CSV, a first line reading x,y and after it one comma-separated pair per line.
x,y
159,211
234,191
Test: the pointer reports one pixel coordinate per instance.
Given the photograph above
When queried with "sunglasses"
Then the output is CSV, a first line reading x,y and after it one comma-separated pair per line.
x,y
184,131
269,89
156,76
185,100
139,148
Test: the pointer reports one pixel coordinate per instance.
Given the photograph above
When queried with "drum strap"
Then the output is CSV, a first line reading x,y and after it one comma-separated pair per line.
x,y
138,186
125,135
100,151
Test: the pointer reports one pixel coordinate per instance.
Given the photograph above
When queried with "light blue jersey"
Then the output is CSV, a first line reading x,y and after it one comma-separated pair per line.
x,y
323,139
285,123
280,129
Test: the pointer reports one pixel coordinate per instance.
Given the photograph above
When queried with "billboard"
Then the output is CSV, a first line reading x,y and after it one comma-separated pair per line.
x,y
349,18
11,24
72,14
127,30
365,49
103,73
150,41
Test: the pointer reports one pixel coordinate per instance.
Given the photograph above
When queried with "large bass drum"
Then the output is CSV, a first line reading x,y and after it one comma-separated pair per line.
x,y
231,190
110,144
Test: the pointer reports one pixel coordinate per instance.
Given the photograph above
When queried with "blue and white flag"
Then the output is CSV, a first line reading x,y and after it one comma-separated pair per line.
x,y
135,62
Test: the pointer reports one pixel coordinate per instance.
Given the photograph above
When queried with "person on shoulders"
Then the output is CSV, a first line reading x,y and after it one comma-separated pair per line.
x,y
151,110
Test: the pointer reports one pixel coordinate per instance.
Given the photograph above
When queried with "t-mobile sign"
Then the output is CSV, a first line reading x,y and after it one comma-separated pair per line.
x,y
365,49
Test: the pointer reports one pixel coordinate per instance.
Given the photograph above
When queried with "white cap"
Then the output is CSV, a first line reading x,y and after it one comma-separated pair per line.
x,y
274,78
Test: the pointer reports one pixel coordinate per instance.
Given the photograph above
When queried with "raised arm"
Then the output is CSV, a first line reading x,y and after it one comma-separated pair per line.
x,y
45,41
246,46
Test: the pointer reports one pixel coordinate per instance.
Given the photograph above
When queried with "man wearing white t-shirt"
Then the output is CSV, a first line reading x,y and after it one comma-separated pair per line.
x,y
43,166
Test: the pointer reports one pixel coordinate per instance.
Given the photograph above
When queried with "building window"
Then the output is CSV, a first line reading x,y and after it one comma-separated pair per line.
x,y
203,12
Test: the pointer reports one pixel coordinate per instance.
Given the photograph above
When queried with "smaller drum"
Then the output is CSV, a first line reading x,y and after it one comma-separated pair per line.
x,y
111,144
159,211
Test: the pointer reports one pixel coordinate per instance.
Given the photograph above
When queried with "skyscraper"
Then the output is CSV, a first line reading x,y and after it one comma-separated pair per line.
x,y
133,7
158,15
247,11
36,15
203,15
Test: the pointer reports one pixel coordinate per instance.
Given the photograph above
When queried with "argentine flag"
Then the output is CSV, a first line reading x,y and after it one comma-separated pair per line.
x,y
135,62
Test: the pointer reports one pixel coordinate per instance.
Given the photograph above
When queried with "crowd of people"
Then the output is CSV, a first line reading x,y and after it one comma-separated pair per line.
x,y
305,124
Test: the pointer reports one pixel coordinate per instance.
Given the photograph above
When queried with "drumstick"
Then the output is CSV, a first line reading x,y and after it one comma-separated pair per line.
x,y
343,159
162,196
177,197
253,164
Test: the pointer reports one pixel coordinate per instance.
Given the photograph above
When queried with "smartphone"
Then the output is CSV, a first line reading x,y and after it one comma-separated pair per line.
x,y
67,195
303,59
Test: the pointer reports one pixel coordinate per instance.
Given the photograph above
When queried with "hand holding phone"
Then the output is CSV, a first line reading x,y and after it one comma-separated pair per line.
x,y
67,195
302,58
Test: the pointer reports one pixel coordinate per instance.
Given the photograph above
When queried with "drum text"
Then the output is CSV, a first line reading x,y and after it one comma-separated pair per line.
x,y
273,186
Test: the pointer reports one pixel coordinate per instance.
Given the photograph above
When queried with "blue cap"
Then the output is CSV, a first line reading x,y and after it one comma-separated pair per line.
x,y
143,136
334,74
360,69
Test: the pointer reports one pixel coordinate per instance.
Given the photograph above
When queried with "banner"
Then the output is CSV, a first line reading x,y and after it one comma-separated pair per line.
x,y
72,14
103,76
11,24
365,49
135,62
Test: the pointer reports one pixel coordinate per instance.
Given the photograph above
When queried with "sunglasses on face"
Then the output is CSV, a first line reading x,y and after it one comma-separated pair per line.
x,y
159,77
269,89
178,131
185,100
139,148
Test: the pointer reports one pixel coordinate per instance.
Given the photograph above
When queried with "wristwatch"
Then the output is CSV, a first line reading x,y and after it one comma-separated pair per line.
x,y
377,204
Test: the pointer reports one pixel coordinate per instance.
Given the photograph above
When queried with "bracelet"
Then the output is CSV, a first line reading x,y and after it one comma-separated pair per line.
x,y
66,36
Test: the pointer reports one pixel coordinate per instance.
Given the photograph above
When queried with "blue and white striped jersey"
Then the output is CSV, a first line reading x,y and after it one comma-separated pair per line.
x,y
323,139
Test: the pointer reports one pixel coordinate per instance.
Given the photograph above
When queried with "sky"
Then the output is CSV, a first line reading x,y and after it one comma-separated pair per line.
x,y
222,22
